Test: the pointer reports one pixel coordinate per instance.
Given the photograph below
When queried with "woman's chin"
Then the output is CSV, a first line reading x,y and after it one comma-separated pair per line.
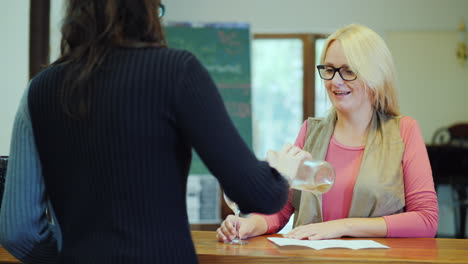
x,y
342,108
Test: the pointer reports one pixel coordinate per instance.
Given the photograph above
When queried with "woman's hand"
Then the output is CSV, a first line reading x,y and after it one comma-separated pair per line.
x,y
324,230
254,225
354,227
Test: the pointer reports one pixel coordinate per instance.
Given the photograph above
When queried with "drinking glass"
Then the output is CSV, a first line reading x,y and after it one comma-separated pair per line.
x,y
316,176
237,240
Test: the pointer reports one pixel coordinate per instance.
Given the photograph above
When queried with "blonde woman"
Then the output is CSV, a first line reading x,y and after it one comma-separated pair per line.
x,y
384,185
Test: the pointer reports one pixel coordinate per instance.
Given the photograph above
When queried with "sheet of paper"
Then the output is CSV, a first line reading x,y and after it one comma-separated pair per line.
x,y
332,243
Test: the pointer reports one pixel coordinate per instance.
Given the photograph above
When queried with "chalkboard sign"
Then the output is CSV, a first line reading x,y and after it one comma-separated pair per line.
x,y
224,49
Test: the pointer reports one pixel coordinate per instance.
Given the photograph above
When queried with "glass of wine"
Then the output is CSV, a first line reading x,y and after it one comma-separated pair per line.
x,y
237,240
314,176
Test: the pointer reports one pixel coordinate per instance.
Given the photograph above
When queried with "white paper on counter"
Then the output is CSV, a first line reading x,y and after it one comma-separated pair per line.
x,y
332,243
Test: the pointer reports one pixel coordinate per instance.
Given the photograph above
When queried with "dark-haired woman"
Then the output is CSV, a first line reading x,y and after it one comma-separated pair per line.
x,y
102,143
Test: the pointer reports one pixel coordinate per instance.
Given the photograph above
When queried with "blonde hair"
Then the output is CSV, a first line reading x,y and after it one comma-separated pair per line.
x,y
370,58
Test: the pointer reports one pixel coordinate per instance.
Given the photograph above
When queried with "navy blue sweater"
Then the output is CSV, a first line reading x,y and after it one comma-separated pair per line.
x,y
116,179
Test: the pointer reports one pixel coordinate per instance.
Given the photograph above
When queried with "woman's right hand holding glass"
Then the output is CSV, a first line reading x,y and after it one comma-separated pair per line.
x,y
251,226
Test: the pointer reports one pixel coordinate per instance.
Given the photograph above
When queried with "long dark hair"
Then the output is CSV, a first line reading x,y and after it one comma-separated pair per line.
x,y
90,29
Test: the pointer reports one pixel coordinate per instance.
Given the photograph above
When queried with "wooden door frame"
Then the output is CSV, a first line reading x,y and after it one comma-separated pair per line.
x,y
39,33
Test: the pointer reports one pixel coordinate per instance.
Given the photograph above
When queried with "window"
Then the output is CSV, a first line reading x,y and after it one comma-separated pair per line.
x,y
283,87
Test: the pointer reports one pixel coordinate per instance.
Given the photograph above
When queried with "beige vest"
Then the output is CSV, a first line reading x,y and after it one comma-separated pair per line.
x,y
379,187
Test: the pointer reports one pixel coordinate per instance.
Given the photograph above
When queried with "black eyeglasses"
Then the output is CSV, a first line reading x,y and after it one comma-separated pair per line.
x,y
161,10
327,72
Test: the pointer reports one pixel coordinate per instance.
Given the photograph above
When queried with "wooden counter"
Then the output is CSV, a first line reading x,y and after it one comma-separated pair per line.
x,y
261,250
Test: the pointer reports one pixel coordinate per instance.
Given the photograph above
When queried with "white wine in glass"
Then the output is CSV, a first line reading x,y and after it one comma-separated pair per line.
x,y
237,240
314,176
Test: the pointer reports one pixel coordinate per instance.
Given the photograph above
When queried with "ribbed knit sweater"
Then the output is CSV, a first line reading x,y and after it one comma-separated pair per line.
x,y
117,179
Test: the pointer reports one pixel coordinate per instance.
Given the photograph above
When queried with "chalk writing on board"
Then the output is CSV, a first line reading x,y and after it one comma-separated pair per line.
x,y
235,68
230,40
243,87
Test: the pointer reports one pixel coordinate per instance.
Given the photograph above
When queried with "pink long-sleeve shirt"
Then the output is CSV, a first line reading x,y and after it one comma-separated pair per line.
x,y
420,218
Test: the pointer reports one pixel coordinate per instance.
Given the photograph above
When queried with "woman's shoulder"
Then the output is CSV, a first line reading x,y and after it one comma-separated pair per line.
x,y
409,128
179,54
51,72
173,56
322,121
314,123
329,117
315,119
406,122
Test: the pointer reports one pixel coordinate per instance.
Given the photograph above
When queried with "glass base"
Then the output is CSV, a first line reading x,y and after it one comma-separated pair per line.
x,y
237,241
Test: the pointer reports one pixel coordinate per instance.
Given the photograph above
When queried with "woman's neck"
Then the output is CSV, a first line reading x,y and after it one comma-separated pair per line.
x,y
351,128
